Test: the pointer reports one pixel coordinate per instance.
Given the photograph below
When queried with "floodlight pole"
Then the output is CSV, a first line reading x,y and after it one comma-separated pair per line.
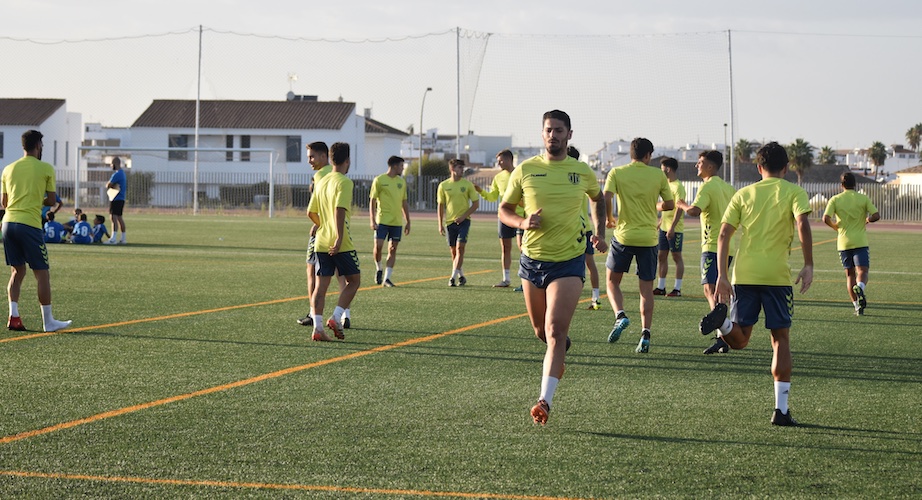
x,y
419,170
198,101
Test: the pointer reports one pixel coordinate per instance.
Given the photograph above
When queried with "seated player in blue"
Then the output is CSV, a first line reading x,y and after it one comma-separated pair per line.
x,y
82,232
99,229
51,208
54,231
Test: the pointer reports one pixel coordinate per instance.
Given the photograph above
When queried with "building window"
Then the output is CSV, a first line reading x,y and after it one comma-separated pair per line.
x,y
244,144
179,141
293,149
229,143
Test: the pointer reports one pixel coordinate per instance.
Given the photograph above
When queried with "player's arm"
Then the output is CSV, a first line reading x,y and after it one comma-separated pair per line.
x,y
50,199
4,200
372,208
598,219
830,222
805,277
441,218
340,222
873,217
406,215
724,289
315,218
610,219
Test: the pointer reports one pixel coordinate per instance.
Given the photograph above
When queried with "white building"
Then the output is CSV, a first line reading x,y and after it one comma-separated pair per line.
x,y
898,158
475,149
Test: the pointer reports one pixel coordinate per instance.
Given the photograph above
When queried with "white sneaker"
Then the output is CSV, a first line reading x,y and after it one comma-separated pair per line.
x,y
56,325
109,242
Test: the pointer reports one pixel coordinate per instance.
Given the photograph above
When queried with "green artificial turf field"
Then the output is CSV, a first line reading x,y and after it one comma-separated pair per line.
x,y
185,375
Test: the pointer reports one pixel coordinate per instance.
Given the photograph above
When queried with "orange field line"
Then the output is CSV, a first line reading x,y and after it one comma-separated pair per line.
x,y
275,486
240,383
196,313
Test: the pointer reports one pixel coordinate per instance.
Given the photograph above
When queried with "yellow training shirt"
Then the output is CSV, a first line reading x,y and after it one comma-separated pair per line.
x,y
332,192
390,192
456,197
26,181
637,186
851,208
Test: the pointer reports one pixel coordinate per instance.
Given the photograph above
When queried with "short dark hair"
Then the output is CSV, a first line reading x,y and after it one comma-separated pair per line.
x,y
557,114
713,156
772,157
671,163
30,139
319,146
117,160
82,217
848,180
641,147
572,152
505,154
455,162
49,216
339,153
100,218
394,161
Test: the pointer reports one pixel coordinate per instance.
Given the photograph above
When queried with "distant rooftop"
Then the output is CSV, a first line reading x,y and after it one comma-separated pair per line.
x,y
301,115
27,112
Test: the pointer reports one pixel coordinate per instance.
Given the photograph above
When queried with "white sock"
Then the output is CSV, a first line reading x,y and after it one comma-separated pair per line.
x,y
347,313
338,313
47,317
454,273
377,266
124,236
388,271
114,236
14,309
619,312
595,294
857,306
862,285
505,275
725,328
661,283
460,272
318,321
548,387
678,283
781,396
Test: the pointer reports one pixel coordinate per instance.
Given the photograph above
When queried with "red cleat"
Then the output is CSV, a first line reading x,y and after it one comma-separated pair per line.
x,y
337,328
540,411
16,324
320,337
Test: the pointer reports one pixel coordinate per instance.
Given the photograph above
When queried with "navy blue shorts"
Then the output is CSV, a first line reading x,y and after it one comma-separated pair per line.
x,y
311,255
541,274
673,245
385,232
457,232
506,232
709,267
855,257
620,257
777,301
590,250
24,244
347,263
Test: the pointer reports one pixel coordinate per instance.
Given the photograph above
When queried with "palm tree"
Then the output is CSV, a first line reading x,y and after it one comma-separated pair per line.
x,y
878,155
743,151
827,156
914,136
800,156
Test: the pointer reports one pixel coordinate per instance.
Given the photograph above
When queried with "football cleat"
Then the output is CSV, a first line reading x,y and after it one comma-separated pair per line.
x,y
540,411
502,284
862,300
643,346
320,336
594,305
719,347
783,419
306,321
451,282
388,284
337,328
55,325
620,324
659,291
518,289
713,320
462,281
347,323
674,293
378,277
15,324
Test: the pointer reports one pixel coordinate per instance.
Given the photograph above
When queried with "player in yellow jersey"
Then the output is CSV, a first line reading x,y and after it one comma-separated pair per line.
x,y
387,209
852,211
594,305
710,203
458,199
27,184
671,233
504,160
637,186
330,209
553,188
766,213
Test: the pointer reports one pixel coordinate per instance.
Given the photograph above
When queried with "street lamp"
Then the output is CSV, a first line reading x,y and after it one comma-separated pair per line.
x,y
419,169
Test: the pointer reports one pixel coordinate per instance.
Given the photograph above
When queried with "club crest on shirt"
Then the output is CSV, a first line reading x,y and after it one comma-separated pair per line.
x,y
574,177
463,189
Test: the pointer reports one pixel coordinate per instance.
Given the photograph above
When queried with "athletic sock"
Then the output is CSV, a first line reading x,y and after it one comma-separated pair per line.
x,y
505,275
47,317
387,273
347,313
620,314
318,321
645,333
338,313
548,388
862,284
725,328
678,284
14,309
661,284
857,306
124,236
454,273
595,294
781,396
377,266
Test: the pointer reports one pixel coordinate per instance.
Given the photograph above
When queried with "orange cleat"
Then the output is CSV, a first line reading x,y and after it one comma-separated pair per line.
x,y
320,336
540,411
337,328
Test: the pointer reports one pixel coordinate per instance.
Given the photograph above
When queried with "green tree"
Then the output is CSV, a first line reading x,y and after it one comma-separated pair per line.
x,y
877,154
743,151
800,156
914,136
827,156
431,168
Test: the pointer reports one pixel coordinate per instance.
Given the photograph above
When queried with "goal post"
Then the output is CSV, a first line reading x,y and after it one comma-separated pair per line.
x,y
179,177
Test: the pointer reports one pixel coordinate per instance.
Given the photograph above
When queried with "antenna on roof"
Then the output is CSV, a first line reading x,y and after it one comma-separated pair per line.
x,y
292,78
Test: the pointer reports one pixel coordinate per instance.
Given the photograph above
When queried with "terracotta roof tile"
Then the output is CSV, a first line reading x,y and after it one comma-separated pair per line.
x,y
301,115
27,112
